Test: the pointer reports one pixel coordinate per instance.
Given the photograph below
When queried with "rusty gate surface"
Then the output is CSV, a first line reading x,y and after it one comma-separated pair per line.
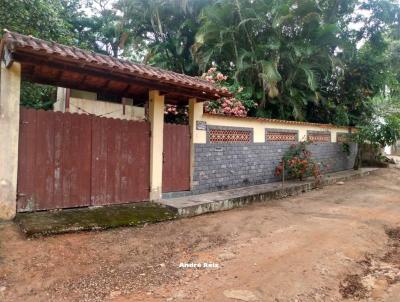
x,y
176,158
73,160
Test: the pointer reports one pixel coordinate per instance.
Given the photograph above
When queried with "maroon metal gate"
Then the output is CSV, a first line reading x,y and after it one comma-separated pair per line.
x,y
176,158
72,160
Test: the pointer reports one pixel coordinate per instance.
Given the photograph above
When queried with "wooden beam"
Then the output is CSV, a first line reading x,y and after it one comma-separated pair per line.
x,y
106,85
84,79
59,75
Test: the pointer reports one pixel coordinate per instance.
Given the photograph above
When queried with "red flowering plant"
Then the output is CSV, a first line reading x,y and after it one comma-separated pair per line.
x,y
298,164
238,105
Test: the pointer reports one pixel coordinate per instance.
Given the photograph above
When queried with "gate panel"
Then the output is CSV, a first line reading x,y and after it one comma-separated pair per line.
x,y
120,161
74,156
44,160
99,161
54,160
176,158
72,160
26,160
135,161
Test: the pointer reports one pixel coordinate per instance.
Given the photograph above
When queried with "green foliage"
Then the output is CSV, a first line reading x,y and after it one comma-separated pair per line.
x,y
40,18
302,60
162,31
382,133
346,148
383,127
46,19
37,96
319,61
280,50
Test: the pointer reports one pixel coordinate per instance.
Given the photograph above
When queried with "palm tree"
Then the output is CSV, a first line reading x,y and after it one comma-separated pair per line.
x,y
282,50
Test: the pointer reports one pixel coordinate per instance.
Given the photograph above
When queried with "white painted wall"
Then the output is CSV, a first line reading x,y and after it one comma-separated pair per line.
x,y
106,109
259,126
85,102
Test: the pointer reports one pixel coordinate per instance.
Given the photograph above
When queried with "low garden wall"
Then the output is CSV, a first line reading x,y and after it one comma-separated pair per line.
x,y
233,152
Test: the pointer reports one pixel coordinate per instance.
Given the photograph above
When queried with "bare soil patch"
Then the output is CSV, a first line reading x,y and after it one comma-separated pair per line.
x,y
352,287
378,272
393,255
302,248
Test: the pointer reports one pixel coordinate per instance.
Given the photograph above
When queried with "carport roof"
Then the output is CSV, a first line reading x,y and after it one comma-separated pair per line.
x,y
56,64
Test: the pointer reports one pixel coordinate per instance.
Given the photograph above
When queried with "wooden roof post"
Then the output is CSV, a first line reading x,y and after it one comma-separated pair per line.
x,y
156,118
10,85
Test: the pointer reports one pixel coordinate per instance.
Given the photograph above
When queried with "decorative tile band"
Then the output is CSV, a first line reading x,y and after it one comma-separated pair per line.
x,y
281,135
319,136
229,135
342,138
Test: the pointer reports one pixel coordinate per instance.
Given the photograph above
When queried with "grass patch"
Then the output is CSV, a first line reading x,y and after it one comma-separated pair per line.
x,y
96,218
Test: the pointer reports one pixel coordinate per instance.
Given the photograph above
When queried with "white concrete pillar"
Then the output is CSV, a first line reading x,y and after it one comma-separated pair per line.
x,y
59,105
10,85
195,113
156,118
302,134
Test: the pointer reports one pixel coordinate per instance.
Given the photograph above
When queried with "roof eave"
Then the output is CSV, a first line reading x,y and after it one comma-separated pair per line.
x,y
11,46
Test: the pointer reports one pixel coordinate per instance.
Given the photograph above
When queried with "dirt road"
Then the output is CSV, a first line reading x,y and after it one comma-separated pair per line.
x,y
340,242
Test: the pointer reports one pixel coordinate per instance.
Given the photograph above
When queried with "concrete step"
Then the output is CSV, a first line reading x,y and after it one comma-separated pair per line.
x,y
224,200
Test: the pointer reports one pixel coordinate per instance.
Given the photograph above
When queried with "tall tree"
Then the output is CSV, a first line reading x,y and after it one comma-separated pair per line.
x,y
45,19
282,50
162,31
301,58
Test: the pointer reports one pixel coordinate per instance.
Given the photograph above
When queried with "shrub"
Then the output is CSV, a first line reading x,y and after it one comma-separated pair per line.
x,y
238,105
175,114
298,164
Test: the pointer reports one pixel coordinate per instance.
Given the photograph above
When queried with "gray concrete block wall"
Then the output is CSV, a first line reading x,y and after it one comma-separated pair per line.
x,y
332,154
224,166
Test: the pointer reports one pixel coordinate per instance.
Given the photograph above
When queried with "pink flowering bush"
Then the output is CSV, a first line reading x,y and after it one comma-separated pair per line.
x,y
171,109
176,114
227,106
213,76
239,105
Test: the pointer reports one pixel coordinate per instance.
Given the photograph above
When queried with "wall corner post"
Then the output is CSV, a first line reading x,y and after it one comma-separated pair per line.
x,y
10,85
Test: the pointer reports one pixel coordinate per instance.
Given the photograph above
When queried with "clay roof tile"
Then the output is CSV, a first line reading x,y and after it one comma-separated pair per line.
x,y
15,42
